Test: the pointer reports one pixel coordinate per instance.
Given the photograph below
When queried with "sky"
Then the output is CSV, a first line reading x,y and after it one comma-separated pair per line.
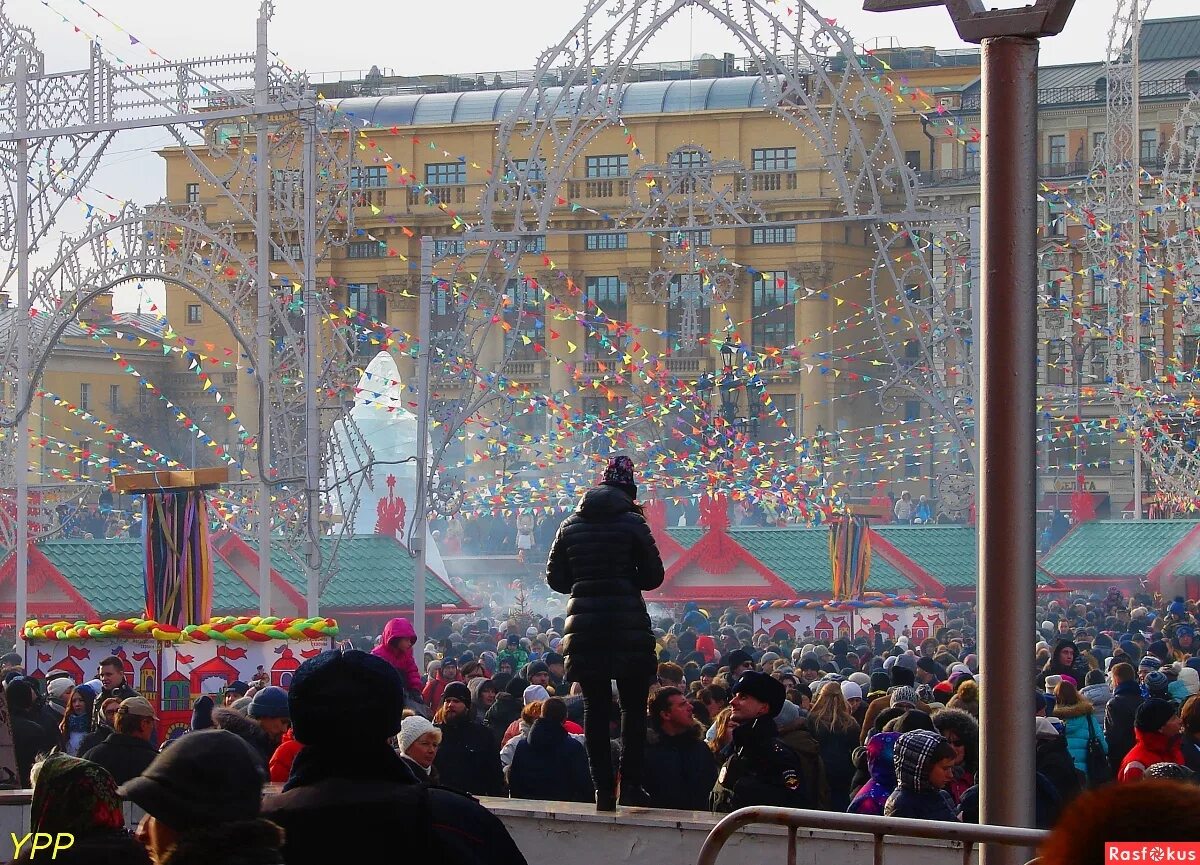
x,y
423,37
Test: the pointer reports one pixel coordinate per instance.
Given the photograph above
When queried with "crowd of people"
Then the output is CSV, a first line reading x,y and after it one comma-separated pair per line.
x,y
606,706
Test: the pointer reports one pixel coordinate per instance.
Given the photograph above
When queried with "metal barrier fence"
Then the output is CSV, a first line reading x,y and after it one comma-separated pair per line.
x,y
967,834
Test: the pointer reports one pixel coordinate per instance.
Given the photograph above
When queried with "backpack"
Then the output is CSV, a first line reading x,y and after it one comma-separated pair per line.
x,y
1098,770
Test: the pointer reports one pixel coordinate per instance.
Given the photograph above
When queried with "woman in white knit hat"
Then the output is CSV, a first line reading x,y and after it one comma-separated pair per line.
x,y
419,742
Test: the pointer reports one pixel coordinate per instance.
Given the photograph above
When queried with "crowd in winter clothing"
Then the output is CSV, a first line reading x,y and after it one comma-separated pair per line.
x,y
606,705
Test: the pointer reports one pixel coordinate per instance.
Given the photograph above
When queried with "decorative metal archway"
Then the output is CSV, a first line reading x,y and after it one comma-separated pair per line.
x,y
812,79
256,133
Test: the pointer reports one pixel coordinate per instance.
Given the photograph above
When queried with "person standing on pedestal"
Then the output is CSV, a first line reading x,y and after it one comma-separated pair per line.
x,y
604,557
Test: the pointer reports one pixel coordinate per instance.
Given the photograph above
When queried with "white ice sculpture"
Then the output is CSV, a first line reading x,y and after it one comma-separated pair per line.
x,y
383,427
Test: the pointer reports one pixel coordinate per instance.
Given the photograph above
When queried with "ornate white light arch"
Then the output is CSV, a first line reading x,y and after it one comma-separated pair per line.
x,y
811,78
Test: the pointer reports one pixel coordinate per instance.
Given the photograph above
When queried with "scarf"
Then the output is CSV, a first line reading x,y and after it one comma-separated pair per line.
x,y
74,796
79,723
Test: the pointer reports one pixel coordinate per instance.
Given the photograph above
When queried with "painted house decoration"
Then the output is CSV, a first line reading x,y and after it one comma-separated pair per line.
x,y
173,668
820,621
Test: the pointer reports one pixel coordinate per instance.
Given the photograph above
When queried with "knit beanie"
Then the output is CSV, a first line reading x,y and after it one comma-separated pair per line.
x,y
903,694
343,698
535,694
619,474
270,702
1152,714
458,691
413,728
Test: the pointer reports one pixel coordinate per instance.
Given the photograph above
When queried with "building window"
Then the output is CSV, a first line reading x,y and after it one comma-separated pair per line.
x,y
366,249
608,166
527,244
1099,142
369,177
1056,361
1147,351
85,396
445,174
365,297
1056,219
289,252
525,316
1148,145
692,238
773,159
193,313
1057,152
522,170
84,469
783,406
912,466
456,246
1100,359
781,234
912,158
774,315
1099,290
1190,344
193,193
607,240
971,158
114,396
609,294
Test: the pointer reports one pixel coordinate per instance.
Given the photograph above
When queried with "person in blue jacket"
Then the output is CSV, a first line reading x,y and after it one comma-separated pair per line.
x,y
1077,715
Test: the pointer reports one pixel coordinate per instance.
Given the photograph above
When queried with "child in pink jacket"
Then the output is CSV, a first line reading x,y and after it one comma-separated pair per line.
x,y
397,650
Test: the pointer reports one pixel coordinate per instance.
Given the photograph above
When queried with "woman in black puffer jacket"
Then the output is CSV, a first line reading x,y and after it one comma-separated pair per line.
x,y
605,557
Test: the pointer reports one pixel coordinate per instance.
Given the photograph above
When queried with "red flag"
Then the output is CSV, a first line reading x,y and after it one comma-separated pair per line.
x,y
182,658
141,656
309,653
230,654
43,658
78,653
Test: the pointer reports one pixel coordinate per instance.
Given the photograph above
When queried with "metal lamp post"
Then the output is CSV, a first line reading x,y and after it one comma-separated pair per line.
x,y
1008,389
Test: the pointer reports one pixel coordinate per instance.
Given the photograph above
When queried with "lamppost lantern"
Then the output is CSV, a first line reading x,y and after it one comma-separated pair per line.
x,y
728,349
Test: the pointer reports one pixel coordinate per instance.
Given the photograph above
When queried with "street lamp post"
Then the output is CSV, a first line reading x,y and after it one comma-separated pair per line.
x,y
1008,390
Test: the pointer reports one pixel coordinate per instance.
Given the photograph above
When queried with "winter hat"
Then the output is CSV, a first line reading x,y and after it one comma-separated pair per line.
x,y
709,670
551,658
270,702
412,728
535,694
619,474
738,657
237,686
880,681
943,689
203,779
344,698
538,667
861,679
929,665
767,658
1152,714
58,688
1052,682
905,694
908,661
1169,772
764,688
1189,679
1157,684
789,714
202,714
851,691
458,691
513,640
241,705
1044,728
1150,662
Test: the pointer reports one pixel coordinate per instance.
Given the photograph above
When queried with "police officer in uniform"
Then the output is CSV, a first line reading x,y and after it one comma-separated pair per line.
x,y
761,770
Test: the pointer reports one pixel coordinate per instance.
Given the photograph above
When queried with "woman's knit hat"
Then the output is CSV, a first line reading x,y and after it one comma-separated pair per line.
x,y
619,474
413,728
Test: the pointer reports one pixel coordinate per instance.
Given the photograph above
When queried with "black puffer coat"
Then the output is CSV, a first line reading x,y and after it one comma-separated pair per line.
x,y
604,557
